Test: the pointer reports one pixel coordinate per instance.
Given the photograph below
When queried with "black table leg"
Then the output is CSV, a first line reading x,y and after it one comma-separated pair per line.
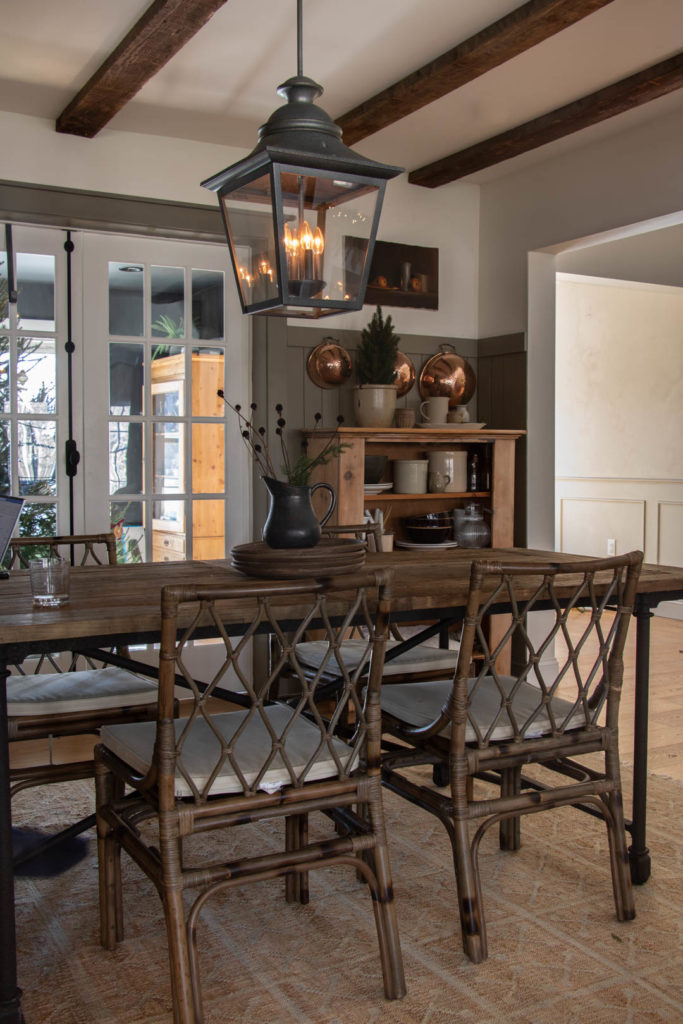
x,y
639,855
10,993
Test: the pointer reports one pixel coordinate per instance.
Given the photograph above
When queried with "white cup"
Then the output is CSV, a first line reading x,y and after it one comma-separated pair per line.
x,y
387,542
410,476
450,464
435,410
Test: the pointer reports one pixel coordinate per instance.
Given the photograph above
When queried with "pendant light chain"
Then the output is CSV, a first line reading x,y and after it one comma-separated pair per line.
x,y
299,39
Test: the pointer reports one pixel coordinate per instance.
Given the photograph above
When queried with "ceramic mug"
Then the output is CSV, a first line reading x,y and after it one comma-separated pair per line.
x,y
438,481
435,410
451,464
410,476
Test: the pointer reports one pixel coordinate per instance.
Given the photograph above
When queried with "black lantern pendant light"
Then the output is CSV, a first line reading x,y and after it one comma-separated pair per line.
x,y
301,211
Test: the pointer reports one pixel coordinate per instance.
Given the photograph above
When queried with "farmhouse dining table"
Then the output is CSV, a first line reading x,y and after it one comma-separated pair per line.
x,y
122,603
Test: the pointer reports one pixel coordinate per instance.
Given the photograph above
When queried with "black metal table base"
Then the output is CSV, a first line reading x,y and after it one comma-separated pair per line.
x,y
10,1011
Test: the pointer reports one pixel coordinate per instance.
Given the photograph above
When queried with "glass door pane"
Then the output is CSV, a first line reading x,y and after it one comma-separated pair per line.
x,y
164,423
33,381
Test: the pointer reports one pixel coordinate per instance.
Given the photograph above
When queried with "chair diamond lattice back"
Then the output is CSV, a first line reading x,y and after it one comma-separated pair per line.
x,y
578,680
47,699
258,718
232,765
546,692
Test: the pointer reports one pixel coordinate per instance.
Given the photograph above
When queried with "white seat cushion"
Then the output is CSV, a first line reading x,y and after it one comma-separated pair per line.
x,y
201,750
418,659
420,703
60,693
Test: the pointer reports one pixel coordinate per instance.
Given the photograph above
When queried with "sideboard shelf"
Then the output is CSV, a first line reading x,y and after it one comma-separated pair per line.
x,y
346,473
447,496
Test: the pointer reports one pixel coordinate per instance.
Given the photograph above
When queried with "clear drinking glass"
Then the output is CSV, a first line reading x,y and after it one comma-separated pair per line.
x,y
49,581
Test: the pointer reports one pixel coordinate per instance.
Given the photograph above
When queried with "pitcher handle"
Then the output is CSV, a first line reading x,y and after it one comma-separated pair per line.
x,y
333,500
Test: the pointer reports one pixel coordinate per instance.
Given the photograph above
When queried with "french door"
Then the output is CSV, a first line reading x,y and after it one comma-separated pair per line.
x,y
157,332
159,342
34,420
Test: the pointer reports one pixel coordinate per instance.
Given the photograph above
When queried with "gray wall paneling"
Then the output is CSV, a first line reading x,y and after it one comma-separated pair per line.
x,y
502,404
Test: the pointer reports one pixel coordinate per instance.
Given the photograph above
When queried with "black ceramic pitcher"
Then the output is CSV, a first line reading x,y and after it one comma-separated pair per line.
x,y
291,521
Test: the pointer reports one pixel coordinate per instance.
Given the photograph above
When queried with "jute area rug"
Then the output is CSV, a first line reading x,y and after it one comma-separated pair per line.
x,y
557,953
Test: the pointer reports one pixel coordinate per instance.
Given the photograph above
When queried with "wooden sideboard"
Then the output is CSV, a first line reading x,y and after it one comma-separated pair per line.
x,y
346,474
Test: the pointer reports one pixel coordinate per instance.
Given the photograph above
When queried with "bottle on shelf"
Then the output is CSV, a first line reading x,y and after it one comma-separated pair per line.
x,y
473,473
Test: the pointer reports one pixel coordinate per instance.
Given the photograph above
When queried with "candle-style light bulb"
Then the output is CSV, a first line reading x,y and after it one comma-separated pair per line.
x,y
292,250
306,245
318,249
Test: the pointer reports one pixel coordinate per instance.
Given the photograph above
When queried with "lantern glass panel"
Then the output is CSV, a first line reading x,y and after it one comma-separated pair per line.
x,y
249,221
328,221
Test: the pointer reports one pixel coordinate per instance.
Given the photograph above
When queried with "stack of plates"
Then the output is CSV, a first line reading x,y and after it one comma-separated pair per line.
x,y
378,488
327,558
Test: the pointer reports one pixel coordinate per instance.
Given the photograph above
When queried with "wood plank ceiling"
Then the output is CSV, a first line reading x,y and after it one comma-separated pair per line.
x,y
167,25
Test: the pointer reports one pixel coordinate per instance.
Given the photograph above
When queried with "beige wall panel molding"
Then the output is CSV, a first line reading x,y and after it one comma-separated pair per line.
x,y
670,532
586,525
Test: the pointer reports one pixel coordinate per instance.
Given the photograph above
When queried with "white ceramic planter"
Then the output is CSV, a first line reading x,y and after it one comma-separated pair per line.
x,y
374,405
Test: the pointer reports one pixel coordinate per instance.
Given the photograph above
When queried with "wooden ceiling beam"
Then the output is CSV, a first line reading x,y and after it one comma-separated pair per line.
x,y
160,33
511,35
624,95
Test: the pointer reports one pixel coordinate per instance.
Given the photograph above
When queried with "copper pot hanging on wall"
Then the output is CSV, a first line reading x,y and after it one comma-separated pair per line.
x,y
449,374
405,374
329,365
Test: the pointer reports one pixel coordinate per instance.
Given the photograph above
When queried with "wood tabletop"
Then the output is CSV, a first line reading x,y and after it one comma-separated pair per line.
x,y
125,600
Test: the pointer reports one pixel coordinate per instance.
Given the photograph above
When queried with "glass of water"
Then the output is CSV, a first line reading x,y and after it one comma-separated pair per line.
x,y
49,581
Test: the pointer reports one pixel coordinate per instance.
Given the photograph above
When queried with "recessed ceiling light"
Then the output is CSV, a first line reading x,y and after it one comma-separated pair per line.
x,y
131,270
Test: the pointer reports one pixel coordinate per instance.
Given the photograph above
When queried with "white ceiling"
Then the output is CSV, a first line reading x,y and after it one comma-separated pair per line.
x,y
221,86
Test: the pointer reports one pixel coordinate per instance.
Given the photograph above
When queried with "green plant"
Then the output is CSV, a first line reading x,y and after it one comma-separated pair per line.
x,y
378,351
295,470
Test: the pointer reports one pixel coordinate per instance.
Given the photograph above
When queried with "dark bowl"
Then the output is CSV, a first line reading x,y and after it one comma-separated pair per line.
x,y
429,519
374,468
432,534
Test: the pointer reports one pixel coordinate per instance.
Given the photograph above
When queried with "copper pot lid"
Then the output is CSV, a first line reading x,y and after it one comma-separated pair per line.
x,y
449,374
329,365
405,374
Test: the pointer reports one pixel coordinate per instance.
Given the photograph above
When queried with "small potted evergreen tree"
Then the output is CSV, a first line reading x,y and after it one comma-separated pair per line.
x,y
375,396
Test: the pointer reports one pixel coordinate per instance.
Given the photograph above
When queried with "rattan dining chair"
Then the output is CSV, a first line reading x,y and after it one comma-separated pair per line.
x,y
221,770
420,662
65,695
501,721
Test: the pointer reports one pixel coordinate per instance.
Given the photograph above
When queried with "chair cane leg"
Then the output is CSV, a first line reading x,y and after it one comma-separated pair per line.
x,y
109,865
472,925
618,850
184,1002
387,926
510,831
296,837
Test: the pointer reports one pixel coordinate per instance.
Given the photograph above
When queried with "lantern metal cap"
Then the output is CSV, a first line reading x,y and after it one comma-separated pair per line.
x,y
300,132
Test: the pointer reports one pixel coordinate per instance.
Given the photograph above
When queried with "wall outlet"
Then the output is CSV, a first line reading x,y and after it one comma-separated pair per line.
x,y
611,546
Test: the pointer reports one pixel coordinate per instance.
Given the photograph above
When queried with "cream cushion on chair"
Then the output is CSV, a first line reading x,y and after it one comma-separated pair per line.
x,y
61,693
418,659
201,750
419,704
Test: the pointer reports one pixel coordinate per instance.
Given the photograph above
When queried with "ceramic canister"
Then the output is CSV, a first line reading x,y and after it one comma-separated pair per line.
x,y
451,464
410,476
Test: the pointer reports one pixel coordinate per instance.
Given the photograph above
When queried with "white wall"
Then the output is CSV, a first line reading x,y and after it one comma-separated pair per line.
x,y
622,180
447,218
619,417
155,166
